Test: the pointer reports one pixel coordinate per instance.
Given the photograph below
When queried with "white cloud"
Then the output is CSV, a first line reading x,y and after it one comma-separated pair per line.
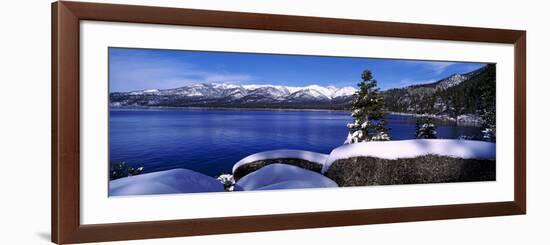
x,y
137,74
438,66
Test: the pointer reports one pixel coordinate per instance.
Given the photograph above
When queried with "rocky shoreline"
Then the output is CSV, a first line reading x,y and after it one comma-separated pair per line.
x,y
460,120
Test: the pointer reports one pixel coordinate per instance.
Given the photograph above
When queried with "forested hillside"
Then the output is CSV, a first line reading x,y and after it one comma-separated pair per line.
x,y
469,93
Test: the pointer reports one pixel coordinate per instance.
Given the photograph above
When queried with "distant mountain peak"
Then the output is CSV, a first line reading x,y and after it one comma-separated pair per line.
x,y
451,81
447,82
229,94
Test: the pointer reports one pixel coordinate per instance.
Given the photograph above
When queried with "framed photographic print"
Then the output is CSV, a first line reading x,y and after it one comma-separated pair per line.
x,y
177,122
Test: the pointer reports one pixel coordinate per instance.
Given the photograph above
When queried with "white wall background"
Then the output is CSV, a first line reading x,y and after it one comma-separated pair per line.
x,y
25,121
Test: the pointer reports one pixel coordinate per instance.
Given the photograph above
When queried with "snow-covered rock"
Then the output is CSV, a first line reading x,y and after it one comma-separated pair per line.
x,y
283,176
278,156
304,159
165,182
310,156
466,149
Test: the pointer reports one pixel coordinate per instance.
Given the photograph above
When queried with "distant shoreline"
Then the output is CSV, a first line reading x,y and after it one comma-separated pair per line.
x,y
198,108
448,118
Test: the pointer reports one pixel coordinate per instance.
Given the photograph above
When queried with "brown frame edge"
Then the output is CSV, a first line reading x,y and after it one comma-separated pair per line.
x,y
65,175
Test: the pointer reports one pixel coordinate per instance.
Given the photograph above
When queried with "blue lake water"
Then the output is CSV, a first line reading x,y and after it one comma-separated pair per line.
x,y
210,141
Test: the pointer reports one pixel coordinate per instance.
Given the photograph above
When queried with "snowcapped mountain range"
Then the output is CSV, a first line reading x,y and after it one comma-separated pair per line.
x,y
237,95
236,91
407,99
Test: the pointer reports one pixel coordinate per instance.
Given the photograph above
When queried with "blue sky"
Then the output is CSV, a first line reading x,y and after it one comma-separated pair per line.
x,y
137,69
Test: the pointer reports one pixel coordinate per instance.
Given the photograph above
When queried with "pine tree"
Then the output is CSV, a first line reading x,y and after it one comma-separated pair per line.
x,y
425,129
489,129
367,110
417,127
488,108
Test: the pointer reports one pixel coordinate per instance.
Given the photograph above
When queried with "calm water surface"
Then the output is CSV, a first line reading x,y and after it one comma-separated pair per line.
x,y
210,141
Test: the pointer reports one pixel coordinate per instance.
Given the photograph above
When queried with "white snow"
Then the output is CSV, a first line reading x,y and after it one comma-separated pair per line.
x,y
165,182
330,92
194,93
467,149
288,89
348,140
305,155
225,85
146,91
150,91
283,176
314,90
324,91
345,91
312,93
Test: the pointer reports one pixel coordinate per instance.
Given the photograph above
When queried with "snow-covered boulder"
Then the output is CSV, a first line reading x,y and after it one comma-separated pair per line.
x,y
305,159
283,176
411,162
396,149
165,182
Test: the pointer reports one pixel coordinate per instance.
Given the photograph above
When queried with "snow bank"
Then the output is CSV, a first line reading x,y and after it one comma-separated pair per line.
x,y
283,176
305,155
165,182
396,149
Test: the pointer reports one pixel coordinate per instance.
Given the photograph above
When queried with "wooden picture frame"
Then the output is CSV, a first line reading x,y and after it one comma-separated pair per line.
x,y
65,175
